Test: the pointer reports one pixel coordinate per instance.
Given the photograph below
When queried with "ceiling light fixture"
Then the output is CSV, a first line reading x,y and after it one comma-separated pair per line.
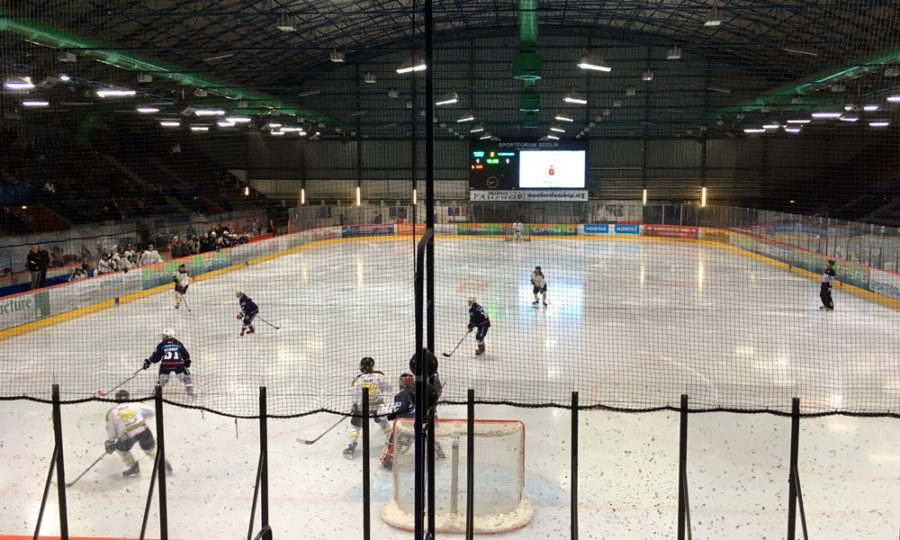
x,y
870,108
337,56
771,125
466,117
575,98
478,128
719,89
593,62
209,112
307,93
447,99
199,129
416,63
799,121
849,118
222,56
225,124
392,93
369,78
238,119
826,114
115,92
713,18
487,135
894,99
551,136
647,76
557,128
792,130
879,123
630,91
64,78
754,130
674,53
147,110
19,84
35,103
169,123
563,118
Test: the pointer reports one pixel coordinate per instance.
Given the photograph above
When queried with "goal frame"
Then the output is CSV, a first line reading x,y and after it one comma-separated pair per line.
x,y
455,522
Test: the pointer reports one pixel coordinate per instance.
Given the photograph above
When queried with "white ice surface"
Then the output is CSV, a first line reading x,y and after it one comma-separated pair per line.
x,y
631,323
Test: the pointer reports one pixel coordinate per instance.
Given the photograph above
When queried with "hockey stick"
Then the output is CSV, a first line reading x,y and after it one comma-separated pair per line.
x,y
270,324
184,299
336,424
91,466
448,355
101,393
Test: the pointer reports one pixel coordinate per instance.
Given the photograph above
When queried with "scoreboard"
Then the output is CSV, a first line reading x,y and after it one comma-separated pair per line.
x,y
536,170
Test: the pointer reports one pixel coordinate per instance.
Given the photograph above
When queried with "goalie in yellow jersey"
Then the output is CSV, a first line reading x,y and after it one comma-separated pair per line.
x,y
379,390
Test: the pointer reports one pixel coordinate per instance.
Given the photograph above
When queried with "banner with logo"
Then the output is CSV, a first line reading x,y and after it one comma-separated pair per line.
x,y
479,228
529,195
353,231
553,229
628,228
595,228
671,231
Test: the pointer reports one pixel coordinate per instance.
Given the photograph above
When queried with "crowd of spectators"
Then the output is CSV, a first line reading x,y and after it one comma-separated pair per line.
x,y
215,239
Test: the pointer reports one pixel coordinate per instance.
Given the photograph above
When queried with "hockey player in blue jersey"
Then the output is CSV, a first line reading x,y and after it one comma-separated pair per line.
x,y
478,319
172,357
249,310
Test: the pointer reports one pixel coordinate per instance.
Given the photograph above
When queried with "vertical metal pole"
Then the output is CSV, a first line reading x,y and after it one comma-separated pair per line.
x,y
367,525
60,466
574,471
264,459
161,469
792,489
470,464
40,518
429,225
682,467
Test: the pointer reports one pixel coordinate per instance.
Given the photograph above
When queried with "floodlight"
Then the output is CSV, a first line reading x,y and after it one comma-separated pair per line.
x,y
593,62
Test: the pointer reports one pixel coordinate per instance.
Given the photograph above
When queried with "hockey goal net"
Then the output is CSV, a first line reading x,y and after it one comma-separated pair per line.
x,y
500,503
510,234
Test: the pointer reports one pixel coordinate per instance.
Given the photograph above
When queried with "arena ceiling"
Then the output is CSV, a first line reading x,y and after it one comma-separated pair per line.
x,y
673,71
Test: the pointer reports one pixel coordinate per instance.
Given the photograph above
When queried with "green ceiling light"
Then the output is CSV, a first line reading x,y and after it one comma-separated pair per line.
x,y
530,121
527,66
529,101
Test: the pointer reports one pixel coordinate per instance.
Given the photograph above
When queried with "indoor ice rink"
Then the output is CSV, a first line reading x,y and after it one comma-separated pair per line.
x,y
632,323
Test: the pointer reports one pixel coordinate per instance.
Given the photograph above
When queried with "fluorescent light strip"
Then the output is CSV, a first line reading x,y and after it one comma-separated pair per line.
x,y
238,119
870,108
754,130
799,121
19,84
552,137
826,114
169,123
35,103
793,130
563,118
147,110
113,92
225,124
209,112
771,126
894,99
849,118
199,128
595,67
879,123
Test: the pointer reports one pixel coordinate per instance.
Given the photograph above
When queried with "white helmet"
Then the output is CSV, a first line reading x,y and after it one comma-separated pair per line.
x,y
472,300
168,333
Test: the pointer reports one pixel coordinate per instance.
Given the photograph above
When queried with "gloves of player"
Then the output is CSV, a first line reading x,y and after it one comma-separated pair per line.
x,y
110,446
187,363
469,327
146,364
240,315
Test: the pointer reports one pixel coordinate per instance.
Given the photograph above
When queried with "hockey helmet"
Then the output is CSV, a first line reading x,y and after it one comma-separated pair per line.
x,y
831,262
238,294
367,364
149,247
168,333
406,380
122,395
430,359
181,266
472,300
538,268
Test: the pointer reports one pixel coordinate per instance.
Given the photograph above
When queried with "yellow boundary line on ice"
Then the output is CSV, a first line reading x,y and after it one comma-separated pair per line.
x,y
62,317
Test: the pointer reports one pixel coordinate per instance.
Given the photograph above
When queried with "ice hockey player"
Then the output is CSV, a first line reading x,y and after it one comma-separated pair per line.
x,y
249,310
150,256
126,423
539,285
478,319
827,284
379,387
517,230
105,264
404,407
182,279
174,358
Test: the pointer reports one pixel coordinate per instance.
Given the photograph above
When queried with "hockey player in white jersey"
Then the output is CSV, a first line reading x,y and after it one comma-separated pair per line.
x,y
126,423
150,256
379,390
182,279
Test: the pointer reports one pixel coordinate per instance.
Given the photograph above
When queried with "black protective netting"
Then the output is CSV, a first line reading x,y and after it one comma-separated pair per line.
x,y
127,126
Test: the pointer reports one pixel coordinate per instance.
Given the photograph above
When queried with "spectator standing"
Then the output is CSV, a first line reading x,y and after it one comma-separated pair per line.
x,y
43,263
257,228
272,228
32,262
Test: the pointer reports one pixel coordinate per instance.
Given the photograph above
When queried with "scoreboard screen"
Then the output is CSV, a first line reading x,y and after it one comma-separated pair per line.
x,y
519,165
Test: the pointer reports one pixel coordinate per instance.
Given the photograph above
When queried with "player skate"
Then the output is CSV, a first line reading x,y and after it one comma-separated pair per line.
x,y
134,470
350,451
